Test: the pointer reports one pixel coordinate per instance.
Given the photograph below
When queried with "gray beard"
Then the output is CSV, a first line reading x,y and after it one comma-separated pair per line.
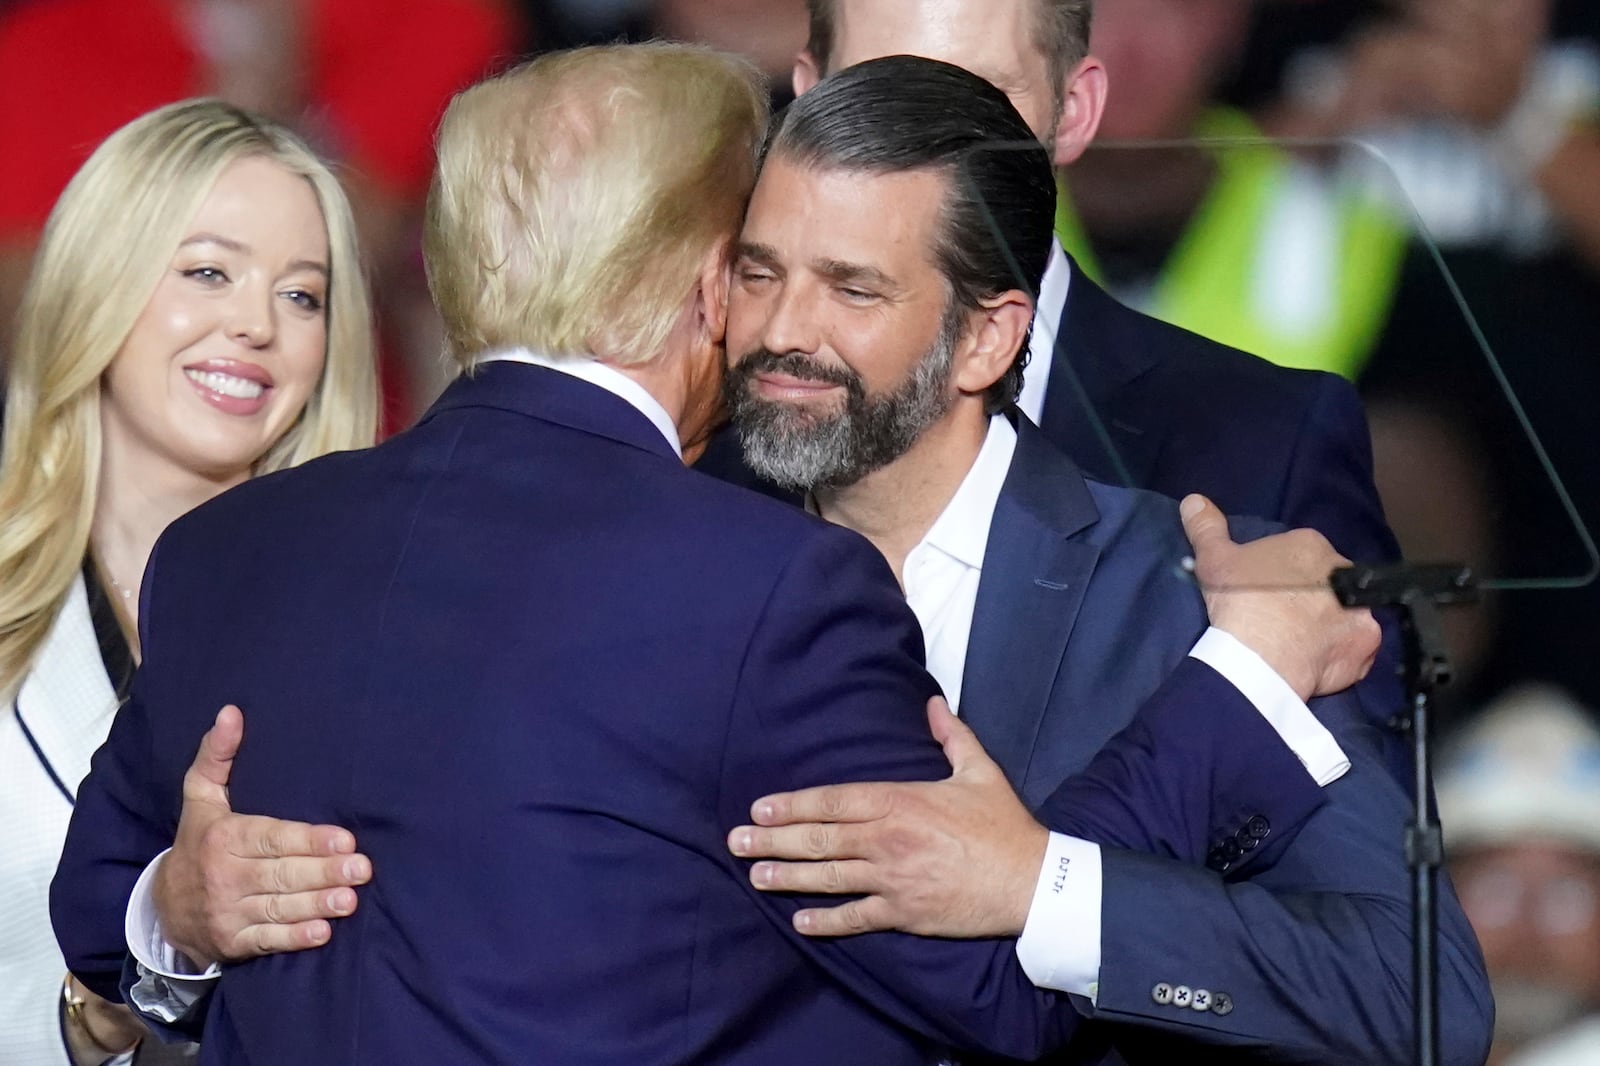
x,y
801,451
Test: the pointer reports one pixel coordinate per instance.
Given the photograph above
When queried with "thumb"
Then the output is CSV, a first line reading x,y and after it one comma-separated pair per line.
x,y
1205,525
960,744
213,763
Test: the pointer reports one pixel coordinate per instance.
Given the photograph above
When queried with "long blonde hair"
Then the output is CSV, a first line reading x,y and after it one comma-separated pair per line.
x,y
104,249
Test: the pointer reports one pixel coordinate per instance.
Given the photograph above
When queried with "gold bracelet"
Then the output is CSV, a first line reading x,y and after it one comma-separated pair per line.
x,y
74,1008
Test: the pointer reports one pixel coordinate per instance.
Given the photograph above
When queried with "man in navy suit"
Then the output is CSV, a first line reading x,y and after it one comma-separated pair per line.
x,y
539,667
1133,401
1052,606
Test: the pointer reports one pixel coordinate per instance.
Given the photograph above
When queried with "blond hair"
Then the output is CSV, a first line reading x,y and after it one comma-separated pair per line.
x,y
105,247
577,196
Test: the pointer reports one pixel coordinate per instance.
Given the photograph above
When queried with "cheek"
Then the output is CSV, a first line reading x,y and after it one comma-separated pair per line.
x,y
304,353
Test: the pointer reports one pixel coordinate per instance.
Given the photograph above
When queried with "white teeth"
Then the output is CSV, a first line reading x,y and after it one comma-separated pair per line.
x,y
227,384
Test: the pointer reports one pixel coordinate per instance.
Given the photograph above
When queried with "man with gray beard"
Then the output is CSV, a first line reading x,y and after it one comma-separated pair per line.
x,y
881,297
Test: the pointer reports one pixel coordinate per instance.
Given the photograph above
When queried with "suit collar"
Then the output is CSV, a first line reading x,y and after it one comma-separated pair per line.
x,y
553,396
67,700
1036,572
1093,371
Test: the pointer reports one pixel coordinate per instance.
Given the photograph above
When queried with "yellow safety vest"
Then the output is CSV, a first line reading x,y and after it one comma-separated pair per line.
x,y
1276,261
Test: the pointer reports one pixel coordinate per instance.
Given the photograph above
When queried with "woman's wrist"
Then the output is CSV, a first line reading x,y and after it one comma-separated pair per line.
x,y
89,1043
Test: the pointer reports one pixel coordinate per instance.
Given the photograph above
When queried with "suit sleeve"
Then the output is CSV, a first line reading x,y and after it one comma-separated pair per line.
x,y
833,690
1312,956
1193,777
126,813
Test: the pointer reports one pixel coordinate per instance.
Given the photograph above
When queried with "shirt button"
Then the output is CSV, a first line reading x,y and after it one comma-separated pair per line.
x,y
1221,1004
1162,993
1182,996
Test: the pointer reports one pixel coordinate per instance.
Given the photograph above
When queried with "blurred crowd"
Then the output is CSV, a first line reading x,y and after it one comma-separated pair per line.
x,y
1404,192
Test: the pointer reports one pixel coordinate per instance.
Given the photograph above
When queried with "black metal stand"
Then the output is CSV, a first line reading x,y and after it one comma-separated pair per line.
x,y
1418,592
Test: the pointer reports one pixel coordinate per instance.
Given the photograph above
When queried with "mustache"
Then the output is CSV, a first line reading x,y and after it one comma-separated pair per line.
x,y
797,365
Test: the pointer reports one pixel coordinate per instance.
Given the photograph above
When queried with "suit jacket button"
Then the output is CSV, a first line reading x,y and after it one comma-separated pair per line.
x,y
1216,860
1202,1000
1182,996
1232,850
1162,993
1248,842
1258,826
1221,1004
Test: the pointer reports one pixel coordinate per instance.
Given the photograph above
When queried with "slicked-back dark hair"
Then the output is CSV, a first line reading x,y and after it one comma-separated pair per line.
x,y
903,113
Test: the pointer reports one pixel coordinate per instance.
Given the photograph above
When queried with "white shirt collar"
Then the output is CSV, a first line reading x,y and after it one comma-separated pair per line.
x,y
962,529
1047,315
614,381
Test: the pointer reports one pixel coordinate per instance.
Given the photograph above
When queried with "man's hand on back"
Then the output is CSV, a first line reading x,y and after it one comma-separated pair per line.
x,y
954,858
236,886
1273,595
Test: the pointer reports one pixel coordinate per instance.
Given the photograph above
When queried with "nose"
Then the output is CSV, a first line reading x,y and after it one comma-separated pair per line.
x,y
251,318
792,323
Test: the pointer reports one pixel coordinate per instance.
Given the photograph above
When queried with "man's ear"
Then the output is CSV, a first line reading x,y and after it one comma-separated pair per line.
x,y
995,332
716,278
807,72
1083,105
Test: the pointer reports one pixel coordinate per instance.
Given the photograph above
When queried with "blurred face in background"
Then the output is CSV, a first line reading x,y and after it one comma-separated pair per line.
x,y
994,39
1164,58
222,360
1536,909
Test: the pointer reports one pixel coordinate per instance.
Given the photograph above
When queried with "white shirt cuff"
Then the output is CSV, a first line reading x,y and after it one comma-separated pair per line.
x,y
1284,711
169,983
1060,943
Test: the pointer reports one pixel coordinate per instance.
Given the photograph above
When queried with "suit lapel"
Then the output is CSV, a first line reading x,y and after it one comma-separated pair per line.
x,y
1034,579
67,700
1089,411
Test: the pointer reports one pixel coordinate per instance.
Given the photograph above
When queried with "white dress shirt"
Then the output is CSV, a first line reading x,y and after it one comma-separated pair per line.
x,y
1060,944
169,984
1048,311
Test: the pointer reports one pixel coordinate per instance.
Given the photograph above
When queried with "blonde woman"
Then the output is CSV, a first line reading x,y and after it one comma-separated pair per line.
x,y
196,316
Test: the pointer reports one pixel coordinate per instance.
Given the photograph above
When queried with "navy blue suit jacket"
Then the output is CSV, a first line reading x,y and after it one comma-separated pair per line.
x,y
1082,613
1185,414
540,669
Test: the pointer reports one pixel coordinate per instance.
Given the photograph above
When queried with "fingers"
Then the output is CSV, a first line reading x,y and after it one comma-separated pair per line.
x,y
828,803
848,919
811,841
298,908
844,877
1204,524
295,875
259,837
279,939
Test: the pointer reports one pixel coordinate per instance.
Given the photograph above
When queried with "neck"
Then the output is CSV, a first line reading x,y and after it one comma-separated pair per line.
x,y
894,507
139,497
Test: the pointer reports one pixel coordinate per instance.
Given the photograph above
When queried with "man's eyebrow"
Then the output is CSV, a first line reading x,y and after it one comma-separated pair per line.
x,y
838,271
764,254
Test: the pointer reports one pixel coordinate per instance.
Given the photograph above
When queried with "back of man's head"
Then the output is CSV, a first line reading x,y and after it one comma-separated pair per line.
x,y
905,113
577,197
